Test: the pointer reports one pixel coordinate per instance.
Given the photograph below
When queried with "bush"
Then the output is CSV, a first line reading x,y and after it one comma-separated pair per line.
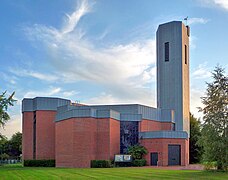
x,y
4,156
39,163
210,165
137,151
139,162
100,164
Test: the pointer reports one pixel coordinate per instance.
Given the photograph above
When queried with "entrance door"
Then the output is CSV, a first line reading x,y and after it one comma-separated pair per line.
x,y
154,159
174,155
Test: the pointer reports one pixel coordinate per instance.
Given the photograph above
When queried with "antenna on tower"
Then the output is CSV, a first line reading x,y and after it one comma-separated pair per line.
x,y
77,102
186,20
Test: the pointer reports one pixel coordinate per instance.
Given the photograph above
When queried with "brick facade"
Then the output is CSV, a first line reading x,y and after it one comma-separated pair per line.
x,y
161,147
27,135
45,133
150,125
80,140
75,142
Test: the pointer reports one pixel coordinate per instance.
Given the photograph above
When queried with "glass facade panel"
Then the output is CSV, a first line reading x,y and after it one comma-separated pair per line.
x,y
128,135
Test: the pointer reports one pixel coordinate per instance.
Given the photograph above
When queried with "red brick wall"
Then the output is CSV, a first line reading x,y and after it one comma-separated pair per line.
x,y
27,135
80,140
84,141
148,125
114,137
161,146
81,147
64,143
166,126
103,139
45,134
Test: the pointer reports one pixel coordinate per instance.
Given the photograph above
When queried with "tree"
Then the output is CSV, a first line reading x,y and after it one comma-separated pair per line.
x,y
195,134
137,151
4,103
3,144
4,156
14,145
214,138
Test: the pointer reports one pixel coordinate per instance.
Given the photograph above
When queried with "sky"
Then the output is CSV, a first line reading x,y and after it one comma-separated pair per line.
x,y
102,51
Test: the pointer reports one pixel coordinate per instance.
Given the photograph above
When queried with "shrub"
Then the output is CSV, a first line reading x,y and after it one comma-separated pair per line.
x,y
100,164
139,162
40,163
4,156
210,165
137,151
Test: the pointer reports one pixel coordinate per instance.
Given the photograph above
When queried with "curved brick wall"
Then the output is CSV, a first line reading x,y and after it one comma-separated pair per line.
x,y
80,140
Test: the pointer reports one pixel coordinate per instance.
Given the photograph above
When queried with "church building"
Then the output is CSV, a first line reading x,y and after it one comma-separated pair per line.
x,y
74,134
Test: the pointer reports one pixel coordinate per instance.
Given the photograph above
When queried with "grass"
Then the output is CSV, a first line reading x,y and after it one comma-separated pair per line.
x,y
18,172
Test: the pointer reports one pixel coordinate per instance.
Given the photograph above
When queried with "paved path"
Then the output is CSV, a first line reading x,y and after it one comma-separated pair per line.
x,y
189,167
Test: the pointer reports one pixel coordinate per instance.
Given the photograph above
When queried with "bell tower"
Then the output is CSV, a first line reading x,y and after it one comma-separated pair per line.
x,y
173,71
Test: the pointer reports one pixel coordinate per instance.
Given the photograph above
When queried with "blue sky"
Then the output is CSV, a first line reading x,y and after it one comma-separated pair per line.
x,y
102,52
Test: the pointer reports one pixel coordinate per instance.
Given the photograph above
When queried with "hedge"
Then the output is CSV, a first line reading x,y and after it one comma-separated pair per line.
x,y
100,164
139,162
210,165
39,163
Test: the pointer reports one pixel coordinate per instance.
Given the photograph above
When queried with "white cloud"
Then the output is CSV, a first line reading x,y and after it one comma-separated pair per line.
x,y
201,72
34,74
192,40
68,94
11,79
50,92
196,101
146,98
197,21
73,19
118,67
12,126
222,3
219,3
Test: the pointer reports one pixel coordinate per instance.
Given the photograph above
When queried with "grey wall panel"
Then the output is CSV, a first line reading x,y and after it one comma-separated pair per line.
x,y
123,108
130,117
131,112
27,105
163,134
148,112
167,115
42,103
76,113
114,115
69,111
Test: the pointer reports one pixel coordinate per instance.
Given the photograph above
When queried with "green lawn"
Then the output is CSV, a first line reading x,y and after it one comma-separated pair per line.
x,y
19,172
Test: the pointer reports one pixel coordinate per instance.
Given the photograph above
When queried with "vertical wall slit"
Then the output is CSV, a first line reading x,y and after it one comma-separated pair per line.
x,y
34,135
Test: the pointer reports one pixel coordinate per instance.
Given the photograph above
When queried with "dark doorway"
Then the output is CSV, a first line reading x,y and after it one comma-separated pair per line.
x,y
154,159
174,155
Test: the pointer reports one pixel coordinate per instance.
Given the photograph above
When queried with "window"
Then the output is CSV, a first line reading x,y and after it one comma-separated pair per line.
x,y
186,54
129,131
173,127
34,135
167,51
